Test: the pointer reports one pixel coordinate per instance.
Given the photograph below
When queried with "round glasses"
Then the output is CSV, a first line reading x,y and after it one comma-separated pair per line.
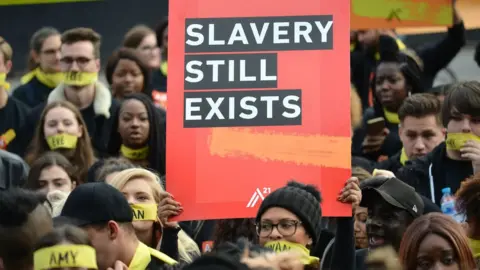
x,y
285,227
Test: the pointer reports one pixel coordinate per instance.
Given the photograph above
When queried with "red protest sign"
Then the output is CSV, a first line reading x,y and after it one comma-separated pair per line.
x,y
259,93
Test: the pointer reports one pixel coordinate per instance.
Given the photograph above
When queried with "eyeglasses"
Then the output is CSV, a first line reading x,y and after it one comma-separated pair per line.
x,y
285,228
81,61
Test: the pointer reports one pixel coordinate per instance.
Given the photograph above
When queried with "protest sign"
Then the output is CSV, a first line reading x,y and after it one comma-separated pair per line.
x,y
257,96
373,14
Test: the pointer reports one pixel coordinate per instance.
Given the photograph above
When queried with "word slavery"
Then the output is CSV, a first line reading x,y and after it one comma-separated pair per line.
x,y
246,68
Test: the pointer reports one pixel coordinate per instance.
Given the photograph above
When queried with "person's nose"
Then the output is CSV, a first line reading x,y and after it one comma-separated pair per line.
x,y
60,128
356,226
128,78
466,128
275,235
135,122
50,187
58,55
74,66
419,145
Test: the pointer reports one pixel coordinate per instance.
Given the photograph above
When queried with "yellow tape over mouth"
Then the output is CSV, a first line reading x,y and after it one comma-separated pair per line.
x,y
145,212
456,141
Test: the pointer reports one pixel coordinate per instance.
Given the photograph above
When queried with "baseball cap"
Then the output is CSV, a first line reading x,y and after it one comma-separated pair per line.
x,y
395,192
95,203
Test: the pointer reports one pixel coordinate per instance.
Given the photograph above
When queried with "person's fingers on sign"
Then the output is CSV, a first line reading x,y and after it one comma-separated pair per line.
x,y
374,143
351,193
167,208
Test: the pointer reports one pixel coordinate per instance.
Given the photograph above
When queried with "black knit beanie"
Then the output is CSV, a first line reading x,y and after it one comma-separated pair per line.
x,y
300,199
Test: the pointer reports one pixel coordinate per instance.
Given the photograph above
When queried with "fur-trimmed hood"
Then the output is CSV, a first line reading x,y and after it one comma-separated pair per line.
x,y
101,103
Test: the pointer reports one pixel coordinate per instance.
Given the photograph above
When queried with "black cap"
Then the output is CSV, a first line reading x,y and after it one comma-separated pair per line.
x,y
396,193
95,203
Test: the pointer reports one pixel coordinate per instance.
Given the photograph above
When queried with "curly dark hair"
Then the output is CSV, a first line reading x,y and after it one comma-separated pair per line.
x,y
230,230
468,197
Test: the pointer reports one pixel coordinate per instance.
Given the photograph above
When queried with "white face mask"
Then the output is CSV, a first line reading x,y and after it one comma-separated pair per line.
x,y
57,199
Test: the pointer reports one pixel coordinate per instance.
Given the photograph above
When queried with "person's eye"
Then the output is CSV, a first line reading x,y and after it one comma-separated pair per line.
x,y
59,184
287,225
265,226
448,260
142,198
423,264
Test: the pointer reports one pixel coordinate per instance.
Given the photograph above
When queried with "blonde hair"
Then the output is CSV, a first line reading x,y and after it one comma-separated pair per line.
x,y
187,248
6,50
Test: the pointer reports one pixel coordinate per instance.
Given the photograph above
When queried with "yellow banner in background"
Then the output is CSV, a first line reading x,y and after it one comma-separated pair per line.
x,y
35,2
367,14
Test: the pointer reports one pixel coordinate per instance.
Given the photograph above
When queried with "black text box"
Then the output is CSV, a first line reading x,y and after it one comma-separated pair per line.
x,y
259,34
242,108
230,71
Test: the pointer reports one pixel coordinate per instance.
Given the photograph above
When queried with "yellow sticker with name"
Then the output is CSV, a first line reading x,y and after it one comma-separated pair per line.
x,y
455,141
62,141
63,256
145,211
80,78
281,246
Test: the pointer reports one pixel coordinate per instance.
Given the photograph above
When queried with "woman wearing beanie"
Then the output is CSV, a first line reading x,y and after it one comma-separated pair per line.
x,y
289,218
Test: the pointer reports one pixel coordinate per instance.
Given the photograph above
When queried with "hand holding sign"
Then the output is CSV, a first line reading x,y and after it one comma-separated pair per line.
x,y
167,208
351,193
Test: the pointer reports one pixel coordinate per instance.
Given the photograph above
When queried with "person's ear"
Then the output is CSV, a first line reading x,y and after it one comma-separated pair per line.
x,y
74,184
8,66
80,131
97,64
113,229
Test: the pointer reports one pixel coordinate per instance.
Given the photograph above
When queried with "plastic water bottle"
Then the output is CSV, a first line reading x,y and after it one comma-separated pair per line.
x,y
447,204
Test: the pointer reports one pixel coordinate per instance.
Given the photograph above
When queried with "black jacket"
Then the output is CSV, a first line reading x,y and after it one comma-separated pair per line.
x,y
13,116
13,170
437,169
32,93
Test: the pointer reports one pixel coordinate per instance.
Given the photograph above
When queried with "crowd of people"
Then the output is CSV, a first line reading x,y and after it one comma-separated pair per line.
x,y
82,166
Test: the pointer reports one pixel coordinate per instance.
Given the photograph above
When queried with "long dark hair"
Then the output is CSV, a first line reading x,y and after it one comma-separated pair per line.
x,y
46,160
156,138
82,157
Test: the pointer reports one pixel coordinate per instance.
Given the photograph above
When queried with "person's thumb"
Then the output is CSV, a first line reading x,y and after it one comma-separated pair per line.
x,y
119,266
